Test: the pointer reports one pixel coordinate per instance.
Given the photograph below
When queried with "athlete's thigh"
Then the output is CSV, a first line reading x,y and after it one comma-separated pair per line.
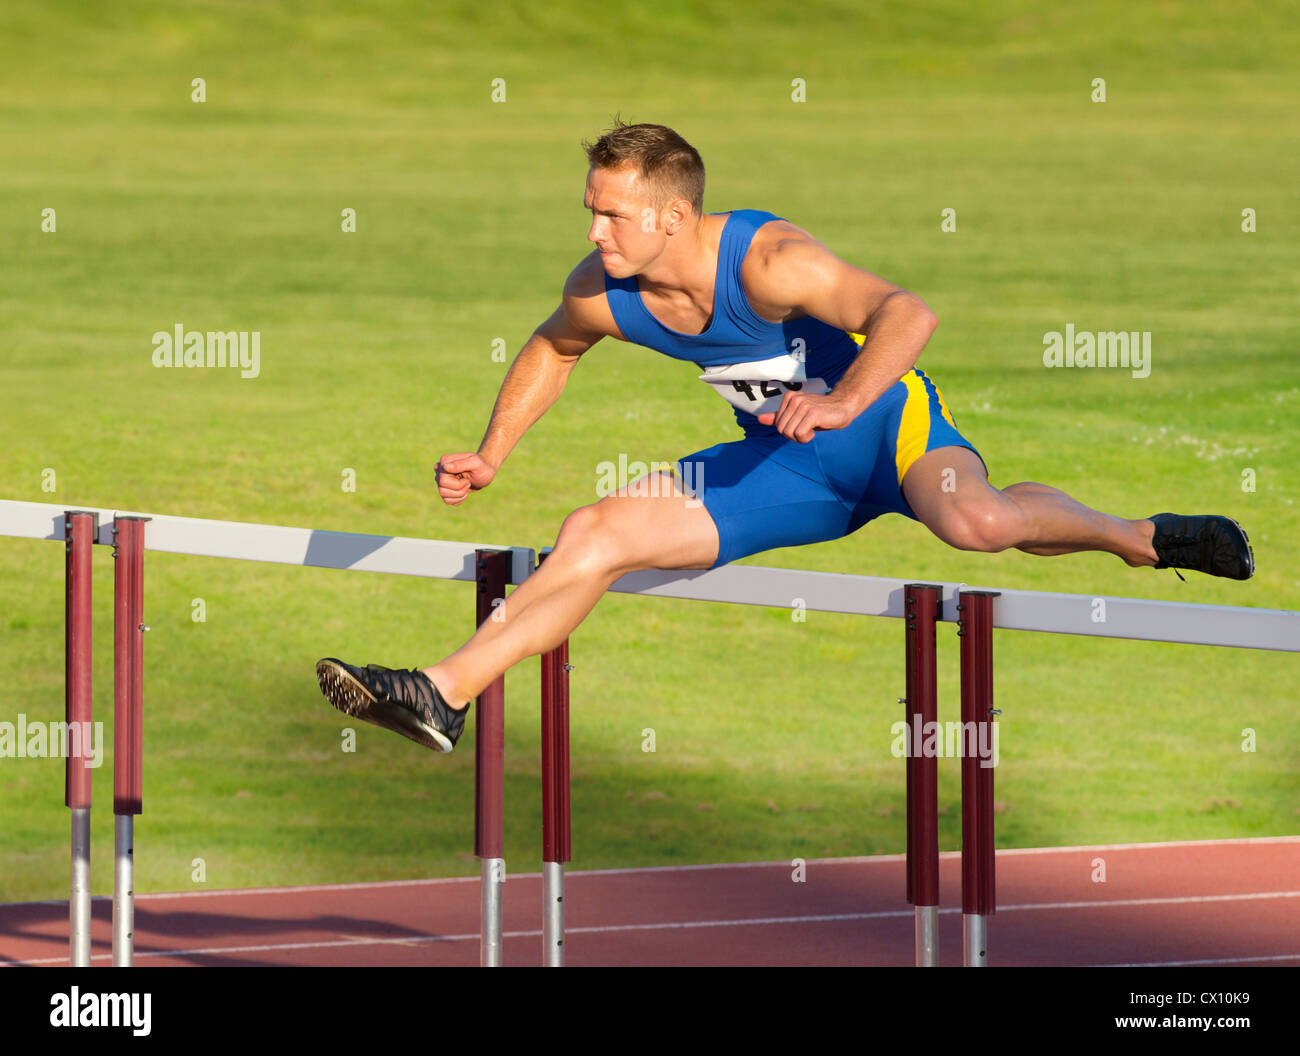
x,y
657,524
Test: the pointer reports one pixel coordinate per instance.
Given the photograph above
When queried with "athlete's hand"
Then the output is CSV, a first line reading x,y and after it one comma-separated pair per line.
x,y
460,474
802,413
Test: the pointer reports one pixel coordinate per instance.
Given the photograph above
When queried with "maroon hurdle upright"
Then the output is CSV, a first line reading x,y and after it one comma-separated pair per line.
x,y
493,568
556,848
978,899
128,729
922,603
80,530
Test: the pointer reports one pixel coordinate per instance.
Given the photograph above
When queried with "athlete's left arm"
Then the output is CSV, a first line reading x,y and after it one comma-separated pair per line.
x,y
801,276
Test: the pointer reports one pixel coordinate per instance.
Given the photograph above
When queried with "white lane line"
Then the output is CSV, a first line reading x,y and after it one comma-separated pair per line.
x,y
881,859
682,925
1218,960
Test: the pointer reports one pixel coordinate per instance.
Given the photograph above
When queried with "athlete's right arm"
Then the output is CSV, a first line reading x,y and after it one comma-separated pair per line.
x,y
534,381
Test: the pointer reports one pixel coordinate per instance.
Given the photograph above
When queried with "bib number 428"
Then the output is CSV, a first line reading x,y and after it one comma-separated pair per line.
x,y
766,389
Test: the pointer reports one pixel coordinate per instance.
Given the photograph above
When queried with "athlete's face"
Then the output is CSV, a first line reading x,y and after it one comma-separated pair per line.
x,y
624,224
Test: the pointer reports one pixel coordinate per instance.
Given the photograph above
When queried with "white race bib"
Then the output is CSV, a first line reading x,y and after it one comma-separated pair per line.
x,y
758,388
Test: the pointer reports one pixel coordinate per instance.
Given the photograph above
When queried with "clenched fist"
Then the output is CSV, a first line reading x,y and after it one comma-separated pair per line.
x,y
460,474
803,414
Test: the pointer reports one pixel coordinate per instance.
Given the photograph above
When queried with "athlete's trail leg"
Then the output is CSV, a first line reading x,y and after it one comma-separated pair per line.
x,y
948,490
597,544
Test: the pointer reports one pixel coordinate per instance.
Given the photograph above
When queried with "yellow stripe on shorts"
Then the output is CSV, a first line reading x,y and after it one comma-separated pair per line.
x,y
914,425
943,404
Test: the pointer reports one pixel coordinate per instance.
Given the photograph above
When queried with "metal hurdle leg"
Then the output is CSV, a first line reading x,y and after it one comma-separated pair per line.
x,y
555,801
975,626
555,798
81,530
493,568
128,710
123,891
922,602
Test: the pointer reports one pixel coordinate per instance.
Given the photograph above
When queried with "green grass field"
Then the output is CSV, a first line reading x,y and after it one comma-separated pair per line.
x,y
772,736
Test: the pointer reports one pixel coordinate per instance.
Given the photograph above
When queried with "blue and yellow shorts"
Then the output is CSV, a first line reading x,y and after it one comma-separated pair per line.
x,y
768,491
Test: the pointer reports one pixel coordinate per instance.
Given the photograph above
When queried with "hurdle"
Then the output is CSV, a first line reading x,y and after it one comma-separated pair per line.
x,y
489,782
922,706
80,530
976,611
130,534
128,723
978,901
489,767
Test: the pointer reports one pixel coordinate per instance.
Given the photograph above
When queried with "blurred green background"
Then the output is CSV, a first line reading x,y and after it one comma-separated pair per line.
x,y
773,737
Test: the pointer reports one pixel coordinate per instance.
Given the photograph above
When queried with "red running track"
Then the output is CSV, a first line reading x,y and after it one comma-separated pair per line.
x,y
1217,902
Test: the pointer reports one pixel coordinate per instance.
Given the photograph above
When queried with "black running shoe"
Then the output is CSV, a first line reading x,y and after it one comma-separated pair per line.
x,y
1211,544
405,702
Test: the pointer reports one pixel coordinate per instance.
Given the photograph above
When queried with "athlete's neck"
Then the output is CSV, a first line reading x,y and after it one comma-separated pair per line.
x,y
689,261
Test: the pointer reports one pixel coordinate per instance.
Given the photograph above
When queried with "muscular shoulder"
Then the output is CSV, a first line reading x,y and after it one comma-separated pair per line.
x,y
777,265
788,273
585,305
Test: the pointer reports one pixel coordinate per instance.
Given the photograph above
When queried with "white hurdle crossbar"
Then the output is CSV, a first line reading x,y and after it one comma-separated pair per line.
x,y
1094,615
1090,615
396,555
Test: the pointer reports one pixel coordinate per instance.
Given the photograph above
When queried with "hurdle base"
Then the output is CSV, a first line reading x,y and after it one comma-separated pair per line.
x,y
123,890
553,914
79,896
927,936
493,880
975,930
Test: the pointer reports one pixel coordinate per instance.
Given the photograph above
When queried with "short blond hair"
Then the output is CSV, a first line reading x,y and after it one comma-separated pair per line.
x,y
670,165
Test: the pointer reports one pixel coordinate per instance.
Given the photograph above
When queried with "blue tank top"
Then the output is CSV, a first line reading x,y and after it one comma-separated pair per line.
x,y
736,334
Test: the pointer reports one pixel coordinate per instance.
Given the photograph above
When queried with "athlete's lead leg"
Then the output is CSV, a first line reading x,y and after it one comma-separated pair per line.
x,y
655,526
597,545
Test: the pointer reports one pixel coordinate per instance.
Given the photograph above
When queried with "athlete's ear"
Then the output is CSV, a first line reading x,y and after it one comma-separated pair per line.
x,y
676,215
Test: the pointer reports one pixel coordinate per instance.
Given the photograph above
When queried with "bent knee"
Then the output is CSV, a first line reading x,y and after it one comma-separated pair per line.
x,y
595,537
585,528
632,530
